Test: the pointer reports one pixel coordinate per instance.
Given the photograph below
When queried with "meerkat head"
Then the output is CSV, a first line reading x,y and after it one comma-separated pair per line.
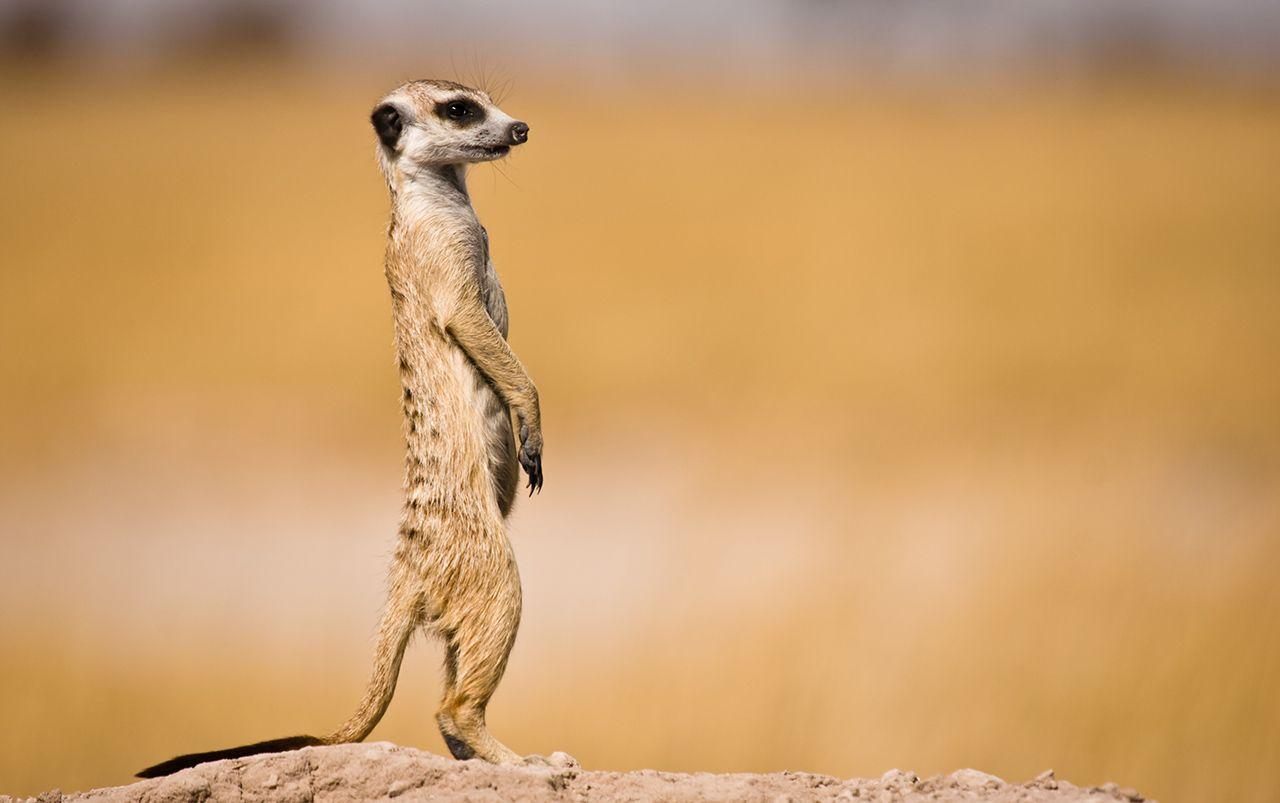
x,y
426,124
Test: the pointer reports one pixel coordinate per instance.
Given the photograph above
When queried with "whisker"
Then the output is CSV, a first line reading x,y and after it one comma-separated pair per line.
x,y
503,173
503,89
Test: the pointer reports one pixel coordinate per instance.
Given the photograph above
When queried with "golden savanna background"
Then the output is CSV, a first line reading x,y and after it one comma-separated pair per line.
x,y
906,405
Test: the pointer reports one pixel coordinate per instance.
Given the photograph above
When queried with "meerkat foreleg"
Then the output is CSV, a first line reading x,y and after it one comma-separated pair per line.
x,y
473,330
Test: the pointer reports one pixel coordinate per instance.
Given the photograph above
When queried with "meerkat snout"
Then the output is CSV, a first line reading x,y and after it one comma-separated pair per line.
x,y
519,132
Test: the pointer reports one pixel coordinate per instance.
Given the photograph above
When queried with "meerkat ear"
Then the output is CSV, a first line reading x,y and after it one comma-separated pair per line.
x,y
388,124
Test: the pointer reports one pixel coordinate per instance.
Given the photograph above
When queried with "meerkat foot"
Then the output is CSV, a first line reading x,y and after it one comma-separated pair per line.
x,y
466,737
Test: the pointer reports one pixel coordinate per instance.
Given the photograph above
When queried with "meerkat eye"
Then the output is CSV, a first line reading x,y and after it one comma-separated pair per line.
x,y
461,111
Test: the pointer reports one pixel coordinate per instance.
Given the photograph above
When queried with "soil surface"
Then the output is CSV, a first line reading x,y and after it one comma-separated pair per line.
x,y
380,770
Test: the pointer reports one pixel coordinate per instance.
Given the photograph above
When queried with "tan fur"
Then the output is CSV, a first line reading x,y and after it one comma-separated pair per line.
x,y
453,573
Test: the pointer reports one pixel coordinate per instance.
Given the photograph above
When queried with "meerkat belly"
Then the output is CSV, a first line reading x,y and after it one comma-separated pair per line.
x,y
504,467
503,462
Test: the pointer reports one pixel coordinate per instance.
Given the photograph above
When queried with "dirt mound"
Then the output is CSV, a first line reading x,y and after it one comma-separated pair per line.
x,y
381,770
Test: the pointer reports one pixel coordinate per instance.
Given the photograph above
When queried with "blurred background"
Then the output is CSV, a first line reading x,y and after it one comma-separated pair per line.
x,y
910,378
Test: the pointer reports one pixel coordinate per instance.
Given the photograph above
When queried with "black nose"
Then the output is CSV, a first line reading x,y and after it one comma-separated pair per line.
x,y
519,133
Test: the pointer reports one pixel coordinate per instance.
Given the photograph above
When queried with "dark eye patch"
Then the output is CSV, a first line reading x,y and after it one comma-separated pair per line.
x,y
460,111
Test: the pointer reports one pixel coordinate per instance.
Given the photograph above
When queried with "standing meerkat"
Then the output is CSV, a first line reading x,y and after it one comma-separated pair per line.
x,y
453,572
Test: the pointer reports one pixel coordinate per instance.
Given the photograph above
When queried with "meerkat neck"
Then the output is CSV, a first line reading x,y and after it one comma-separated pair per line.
x,y
433,187
430,210
425,204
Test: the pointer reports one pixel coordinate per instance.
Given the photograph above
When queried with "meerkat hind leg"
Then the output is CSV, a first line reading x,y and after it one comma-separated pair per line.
x,y
478,635
474,663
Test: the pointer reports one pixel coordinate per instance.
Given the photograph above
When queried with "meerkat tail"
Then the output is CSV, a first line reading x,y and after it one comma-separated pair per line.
x,y
191,759
398,623
399,620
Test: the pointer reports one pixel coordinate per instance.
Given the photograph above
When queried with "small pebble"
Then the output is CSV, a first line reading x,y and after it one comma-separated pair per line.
x,y
975,779
897,776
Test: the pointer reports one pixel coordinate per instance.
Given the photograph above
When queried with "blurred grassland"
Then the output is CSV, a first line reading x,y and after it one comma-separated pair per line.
x,y
887,426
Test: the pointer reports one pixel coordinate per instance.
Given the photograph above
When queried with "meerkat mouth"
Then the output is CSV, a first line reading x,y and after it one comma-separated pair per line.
x,y
493,151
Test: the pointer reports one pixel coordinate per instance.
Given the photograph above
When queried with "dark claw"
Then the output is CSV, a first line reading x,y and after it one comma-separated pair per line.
x,y
533,467
535,475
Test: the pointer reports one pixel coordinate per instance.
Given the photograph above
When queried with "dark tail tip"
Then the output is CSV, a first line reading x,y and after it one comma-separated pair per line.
x,y
191,759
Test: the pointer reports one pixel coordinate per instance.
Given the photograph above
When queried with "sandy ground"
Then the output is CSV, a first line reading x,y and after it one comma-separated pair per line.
x,y
383,770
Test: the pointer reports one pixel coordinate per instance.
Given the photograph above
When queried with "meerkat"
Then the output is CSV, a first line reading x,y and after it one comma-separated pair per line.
x,y
465,398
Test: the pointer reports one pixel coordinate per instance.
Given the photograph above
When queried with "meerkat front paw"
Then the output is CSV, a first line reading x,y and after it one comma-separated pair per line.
x,y
531,457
